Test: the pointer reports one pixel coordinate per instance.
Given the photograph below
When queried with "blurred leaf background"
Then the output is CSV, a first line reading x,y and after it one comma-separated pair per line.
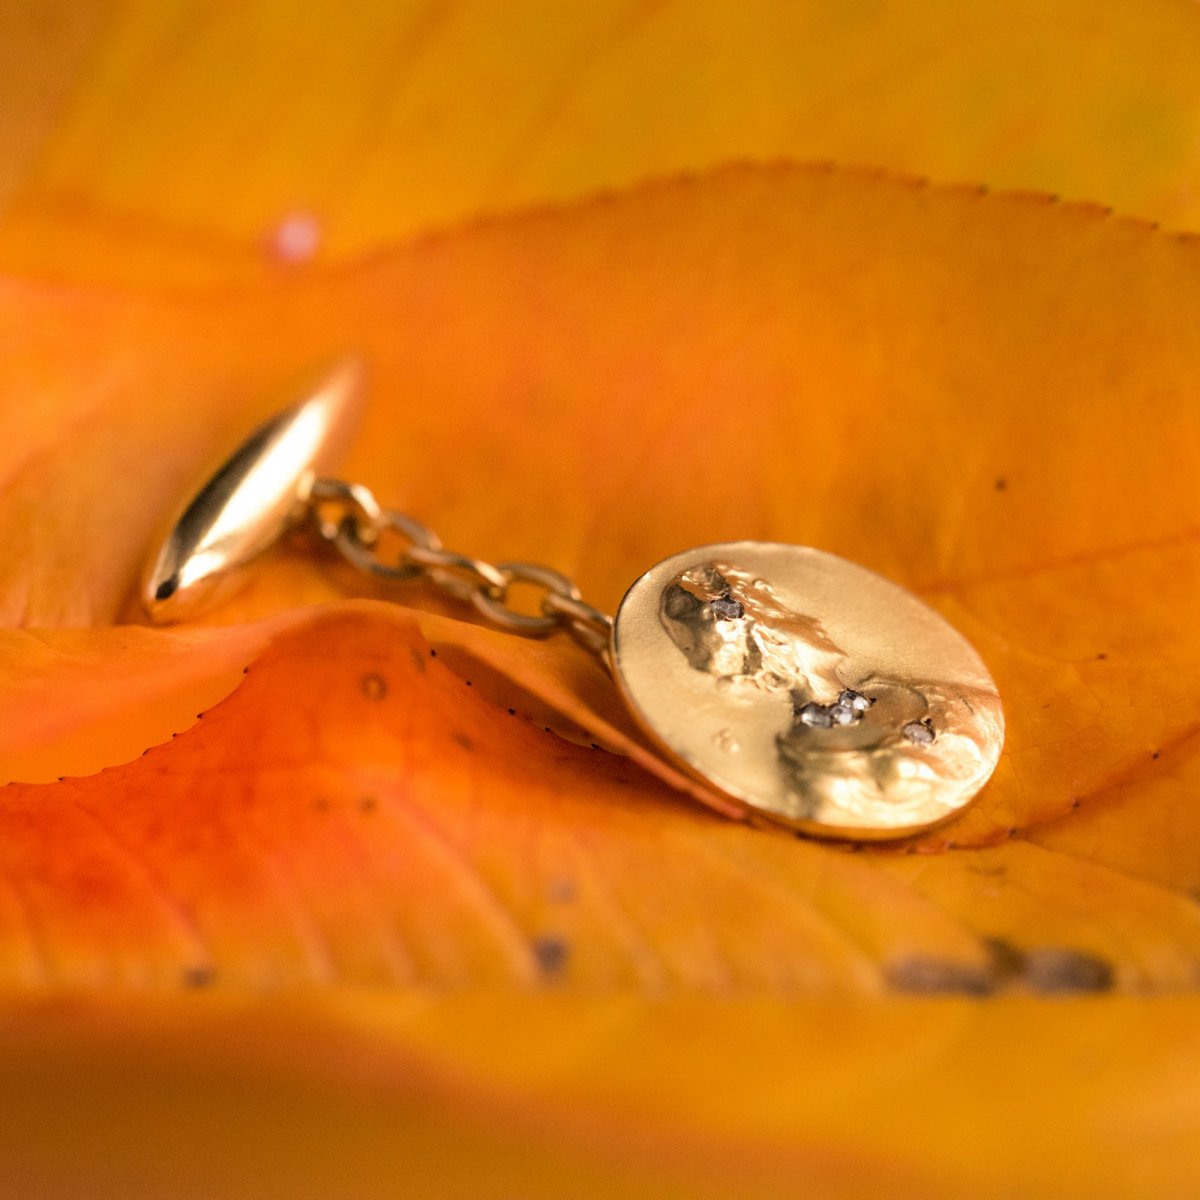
x,y
206,124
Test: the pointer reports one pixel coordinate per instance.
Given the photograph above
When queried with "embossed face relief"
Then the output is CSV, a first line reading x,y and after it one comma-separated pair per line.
x,y
814,691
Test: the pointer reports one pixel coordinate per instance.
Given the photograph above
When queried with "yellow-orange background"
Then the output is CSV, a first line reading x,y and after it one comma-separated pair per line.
x,y
629,277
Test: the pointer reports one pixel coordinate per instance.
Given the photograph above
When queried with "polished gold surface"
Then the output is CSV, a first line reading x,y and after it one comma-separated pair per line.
x,y
810,689
253,498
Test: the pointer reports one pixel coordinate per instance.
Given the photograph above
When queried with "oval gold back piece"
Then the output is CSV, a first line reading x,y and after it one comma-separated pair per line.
x,y
253,498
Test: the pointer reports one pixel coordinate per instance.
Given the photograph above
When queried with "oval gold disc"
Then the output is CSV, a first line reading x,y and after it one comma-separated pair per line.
x,y
813,691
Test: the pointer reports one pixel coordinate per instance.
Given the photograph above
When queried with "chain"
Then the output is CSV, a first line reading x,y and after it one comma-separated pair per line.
x,y
348,517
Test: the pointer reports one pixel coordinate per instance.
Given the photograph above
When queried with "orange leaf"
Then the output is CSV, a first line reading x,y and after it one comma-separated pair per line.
x,y
354,813
901,382
365,1094
75,701
884,388
591,984
384,120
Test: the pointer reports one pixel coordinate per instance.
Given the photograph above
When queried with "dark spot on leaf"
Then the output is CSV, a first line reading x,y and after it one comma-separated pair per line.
x,y
1001,485
1056,971
551,953
512,712
1007,960
321,804
939,977
1048,970
432,652
367,804
1155,756
1101,656
460,739
374,687
198,977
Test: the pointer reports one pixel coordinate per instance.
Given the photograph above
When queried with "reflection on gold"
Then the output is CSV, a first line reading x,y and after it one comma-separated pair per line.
x,y
855,745
253,498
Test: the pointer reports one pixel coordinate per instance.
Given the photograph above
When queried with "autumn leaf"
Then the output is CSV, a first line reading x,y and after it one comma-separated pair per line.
x,y
570,960
903,349
355,815
133,157
411,904
487,1095
75,701
305,841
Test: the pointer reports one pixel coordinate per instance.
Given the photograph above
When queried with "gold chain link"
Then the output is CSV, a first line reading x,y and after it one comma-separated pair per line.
x,y
348,516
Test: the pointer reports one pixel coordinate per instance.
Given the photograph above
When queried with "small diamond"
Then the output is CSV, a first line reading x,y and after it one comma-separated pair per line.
x,y
726,608
855,700
920,732
816,716
843,714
